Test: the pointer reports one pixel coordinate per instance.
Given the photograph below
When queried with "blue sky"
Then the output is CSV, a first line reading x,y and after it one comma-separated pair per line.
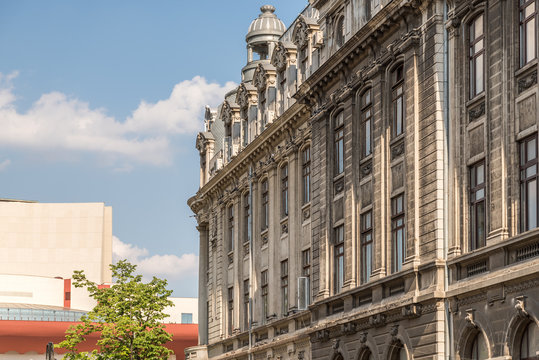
x,y
100,101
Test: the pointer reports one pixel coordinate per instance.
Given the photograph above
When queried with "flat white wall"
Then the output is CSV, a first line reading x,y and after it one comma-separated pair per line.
x,y
31,290
182,305
56,239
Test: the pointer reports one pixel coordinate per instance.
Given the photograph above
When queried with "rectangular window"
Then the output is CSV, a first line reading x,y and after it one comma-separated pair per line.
x,y
265,205
230,310
528,31
306,163
187,318
246,217
477,206
339,144
231,228
477,56
366,246
284,191
366,123
284,287
398,232
306,271
338,261
282,89
246,304
528,183
397,96
264,292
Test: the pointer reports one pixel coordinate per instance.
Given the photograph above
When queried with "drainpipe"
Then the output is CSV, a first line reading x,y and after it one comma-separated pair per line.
x,y
448,326
250,233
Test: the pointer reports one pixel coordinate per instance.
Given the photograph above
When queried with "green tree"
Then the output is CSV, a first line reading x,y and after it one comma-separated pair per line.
x,y
127,316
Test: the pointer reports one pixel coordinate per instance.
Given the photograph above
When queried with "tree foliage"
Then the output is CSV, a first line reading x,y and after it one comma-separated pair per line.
x,y
127,318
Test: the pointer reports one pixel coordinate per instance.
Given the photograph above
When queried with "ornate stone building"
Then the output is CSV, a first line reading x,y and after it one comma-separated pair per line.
x,y
369,191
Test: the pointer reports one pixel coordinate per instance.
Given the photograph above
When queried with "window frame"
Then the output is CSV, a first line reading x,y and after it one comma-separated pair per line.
x,y
264,197
338,259
476,203
366,246
264,291
525,163
306,174
397,101
306,270
366,109
230,310
284,191
398,226
284,287
523,33
246,217
474,55
230,216
338,144
246,304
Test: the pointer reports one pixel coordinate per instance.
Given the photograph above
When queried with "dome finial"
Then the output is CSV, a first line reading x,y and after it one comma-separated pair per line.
x,y
267,9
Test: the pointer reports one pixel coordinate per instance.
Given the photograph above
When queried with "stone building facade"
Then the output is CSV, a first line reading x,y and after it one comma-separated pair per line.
x,y
369,191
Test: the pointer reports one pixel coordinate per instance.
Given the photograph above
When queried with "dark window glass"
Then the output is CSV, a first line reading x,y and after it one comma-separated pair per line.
x,y
529,342
246,304
306,164
398,232
284,287
246,217
230,310
338,266
339,144
231,228
284,191
366,123
264,292
398,101
528,31
479,348
528,183
265,205
306,271
477,206
477,56
366,246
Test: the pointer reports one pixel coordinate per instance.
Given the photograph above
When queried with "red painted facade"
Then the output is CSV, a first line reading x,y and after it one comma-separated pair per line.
x,y
25,336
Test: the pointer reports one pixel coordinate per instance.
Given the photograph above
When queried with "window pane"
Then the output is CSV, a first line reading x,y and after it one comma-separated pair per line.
x,y
532,204
530,150
479,74
368,137
480,174
478,31
480,231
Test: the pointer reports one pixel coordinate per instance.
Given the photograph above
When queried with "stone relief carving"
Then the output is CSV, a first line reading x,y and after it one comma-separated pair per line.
x,y
301,33
470,318
259,79
279,58
477,111
520,306
527,82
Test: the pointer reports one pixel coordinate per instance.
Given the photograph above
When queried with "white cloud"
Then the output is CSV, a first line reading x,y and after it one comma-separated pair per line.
x,y
59,123
169,266
4,164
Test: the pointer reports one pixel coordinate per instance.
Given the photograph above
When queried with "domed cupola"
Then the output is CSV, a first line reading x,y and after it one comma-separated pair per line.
x,y
266,27
264,33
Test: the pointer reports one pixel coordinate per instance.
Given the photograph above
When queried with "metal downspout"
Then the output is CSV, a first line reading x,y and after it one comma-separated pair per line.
x,y
250,233
448,328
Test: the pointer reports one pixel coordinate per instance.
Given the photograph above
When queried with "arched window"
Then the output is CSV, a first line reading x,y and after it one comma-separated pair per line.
x,y
529,342
366,354
478,349
398,352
